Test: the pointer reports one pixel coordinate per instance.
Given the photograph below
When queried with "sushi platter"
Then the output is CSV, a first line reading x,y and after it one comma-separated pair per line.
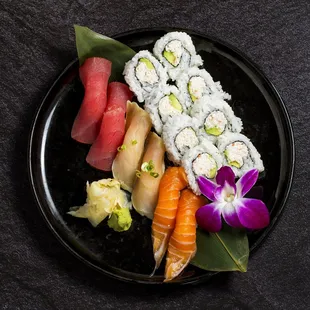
x,y
161,156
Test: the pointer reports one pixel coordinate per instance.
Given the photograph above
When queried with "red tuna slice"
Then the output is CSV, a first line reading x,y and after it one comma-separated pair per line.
x,y
104,149
94,65
94,73
118,94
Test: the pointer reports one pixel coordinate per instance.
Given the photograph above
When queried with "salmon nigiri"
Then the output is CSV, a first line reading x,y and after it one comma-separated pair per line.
x,y
145,192
173,181
104,149
128,159
182,243
94,74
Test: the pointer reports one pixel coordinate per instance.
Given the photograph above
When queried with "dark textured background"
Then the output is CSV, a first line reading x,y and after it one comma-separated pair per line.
x,y
36,43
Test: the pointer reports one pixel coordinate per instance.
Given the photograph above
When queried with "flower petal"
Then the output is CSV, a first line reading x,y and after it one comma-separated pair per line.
x,y
230,216
206,187
209,217
246,182
225,174
252,213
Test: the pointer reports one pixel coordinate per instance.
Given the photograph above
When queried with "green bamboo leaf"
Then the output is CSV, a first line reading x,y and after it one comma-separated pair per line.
x,y
92,44
227,250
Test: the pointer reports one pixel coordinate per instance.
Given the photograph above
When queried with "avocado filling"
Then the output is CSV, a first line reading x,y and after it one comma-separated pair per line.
x,y
173,52
145,71
205,165
186,139
169,105
235,154
196,87
215,123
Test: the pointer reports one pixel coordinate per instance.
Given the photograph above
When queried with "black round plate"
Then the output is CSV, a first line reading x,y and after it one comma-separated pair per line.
x,y
58,170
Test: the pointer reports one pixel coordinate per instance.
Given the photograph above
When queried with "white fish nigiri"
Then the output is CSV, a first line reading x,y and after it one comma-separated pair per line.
x,y
145,193
128,159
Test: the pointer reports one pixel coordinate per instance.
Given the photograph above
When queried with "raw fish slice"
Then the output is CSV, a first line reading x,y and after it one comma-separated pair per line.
x,y
128,160
173,181
145,193
104,149
182,243
94,65
118,94
94,73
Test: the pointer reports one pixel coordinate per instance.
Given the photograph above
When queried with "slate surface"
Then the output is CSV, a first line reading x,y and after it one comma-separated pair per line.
x,y
36,43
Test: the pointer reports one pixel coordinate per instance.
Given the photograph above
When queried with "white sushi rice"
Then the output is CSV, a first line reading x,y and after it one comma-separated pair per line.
x,y
214,112
189,139
183,49
239,149
141,79
198,83
159,106
201,160
180,133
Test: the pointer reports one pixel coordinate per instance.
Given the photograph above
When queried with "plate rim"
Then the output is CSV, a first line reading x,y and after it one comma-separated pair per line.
x,y
286,191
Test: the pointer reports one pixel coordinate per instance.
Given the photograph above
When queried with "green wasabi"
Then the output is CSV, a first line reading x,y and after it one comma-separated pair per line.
x,y
120,219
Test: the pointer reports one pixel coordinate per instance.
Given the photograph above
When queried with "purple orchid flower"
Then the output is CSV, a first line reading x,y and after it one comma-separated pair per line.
x,y
228,201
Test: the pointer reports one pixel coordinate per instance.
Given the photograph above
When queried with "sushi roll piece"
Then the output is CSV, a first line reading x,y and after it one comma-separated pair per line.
x,y
144,74
163,104
202,160
180,133
215,117
196,83
177,53
239,153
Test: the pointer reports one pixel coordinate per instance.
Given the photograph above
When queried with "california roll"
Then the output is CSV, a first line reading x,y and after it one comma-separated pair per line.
x,y
165,103
196,83
239,153
144,74
215,117
177,53
180,133
202,160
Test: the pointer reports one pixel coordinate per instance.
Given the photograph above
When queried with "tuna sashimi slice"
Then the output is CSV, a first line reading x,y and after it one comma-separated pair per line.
x,y
94,73
104,149
118,94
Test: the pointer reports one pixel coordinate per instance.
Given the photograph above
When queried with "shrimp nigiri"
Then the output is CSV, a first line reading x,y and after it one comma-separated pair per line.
x,y
182,244
171,184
